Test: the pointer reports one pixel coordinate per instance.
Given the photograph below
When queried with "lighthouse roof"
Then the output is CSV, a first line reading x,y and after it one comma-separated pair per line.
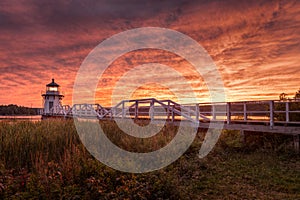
x,y
52,84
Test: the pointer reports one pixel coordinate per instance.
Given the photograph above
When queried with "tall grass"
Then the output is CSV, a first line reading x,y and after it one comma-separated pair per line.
x,y
46,160
27,144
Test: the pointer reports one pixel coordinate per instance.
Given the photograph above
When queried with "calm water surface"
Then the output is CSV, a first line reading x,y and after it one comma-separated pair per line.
x,y
21,118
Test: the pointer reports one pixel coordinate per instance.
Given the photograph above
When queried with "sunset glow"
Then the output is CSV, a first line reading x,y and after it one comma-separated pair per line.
x,y
254,44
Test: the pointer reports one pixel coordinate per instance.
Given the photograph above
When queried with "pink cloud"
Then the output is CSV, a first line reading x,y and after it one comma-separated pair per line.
x,y
255,44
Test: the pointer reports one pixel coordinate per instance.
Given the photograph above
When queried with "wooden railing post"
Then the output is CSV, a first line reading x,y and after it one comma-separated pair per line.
x,y
228,108
123,109
173,114
271,113
111,113
197,112
168,118
136,109
80,110
213,112
151,110
245,112
287,110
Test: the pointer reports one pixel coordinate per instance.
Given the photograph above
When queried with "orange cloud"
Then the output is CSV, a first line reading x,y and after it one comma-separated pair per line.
x,y
255,44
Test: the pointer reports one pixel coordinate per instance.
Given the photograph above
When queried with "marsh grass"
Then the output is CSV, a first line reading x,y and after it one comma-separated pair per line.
x,y
46,160
135,144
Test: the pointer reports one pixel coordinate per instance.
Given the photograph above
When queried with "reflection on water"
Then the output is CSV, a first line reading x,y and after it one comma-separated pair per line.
x,y
21,118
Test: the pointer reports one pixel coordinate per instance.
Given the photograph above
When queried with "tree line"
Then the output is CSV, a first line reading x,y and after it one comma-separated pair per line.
x,y
293,106
13,109
284,96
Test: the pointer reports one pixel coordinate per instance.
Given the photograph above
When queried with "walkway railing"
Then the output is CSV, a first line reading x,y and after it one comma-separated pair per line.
x,y
271,113
264,116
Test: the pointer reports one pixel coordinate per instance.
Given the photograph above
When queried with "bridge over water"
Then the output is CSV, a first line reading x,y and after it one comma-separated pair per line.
x,y
271,116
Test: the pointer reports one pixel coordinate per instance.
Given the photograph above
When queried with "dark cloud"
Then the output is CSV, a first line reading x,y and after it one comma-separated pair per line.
x,y
255,44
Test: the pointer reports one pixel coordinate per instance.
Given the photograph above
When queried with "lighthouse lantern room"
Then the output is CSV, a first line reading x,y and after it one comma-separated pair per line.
x,y
52,98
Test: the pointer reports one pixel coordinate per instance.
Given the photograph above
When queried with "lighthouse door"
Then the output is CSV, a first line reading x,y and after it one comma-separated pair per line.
x,y
50,105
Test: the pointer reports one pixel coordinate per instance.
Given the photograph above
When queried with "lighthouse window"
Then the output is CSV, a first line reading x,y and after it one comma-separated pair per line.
x,y
53,89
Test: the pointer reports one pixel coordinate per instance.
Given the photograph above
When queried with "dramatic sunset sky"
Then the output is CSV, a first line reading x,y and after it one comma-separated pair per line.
x,y
255,44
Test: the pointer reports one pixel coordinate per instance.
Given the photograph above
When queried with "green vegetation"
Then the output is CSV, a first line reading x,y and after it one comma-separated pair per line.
x,y
46,160
283,96
12,109
293,106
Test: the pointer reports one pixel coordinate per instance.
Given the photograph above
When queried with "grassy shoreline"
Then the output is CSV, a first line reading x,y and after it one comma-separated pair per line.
x,y
46,160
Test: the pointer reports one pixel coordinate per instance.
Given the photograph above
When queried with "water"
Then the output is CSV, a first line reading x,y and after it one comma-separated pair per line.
x,y
21,118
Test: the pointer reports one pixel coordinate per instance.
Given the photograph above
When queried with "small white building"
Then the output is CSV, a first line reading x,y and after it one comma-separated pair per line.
x,y
52,98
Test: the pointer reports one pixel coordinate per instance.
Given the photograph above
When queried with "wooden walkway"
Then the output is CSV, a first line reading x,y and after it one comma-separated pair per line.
x,y
263,116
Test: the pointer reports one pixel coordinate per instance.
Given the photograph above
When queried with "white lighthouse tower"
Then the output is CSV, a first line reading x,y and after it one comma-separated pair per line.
x,y
52,98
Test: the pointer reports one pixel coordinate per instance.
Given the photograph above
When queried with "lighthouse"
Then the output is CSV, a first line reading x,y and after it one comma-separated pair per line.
x,y
52,98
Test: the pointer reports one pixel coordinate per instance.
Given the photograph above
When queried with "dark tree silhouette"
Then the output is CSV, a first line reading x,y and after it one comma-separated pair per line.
x,y
283,96
293,106
12,109
297,95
